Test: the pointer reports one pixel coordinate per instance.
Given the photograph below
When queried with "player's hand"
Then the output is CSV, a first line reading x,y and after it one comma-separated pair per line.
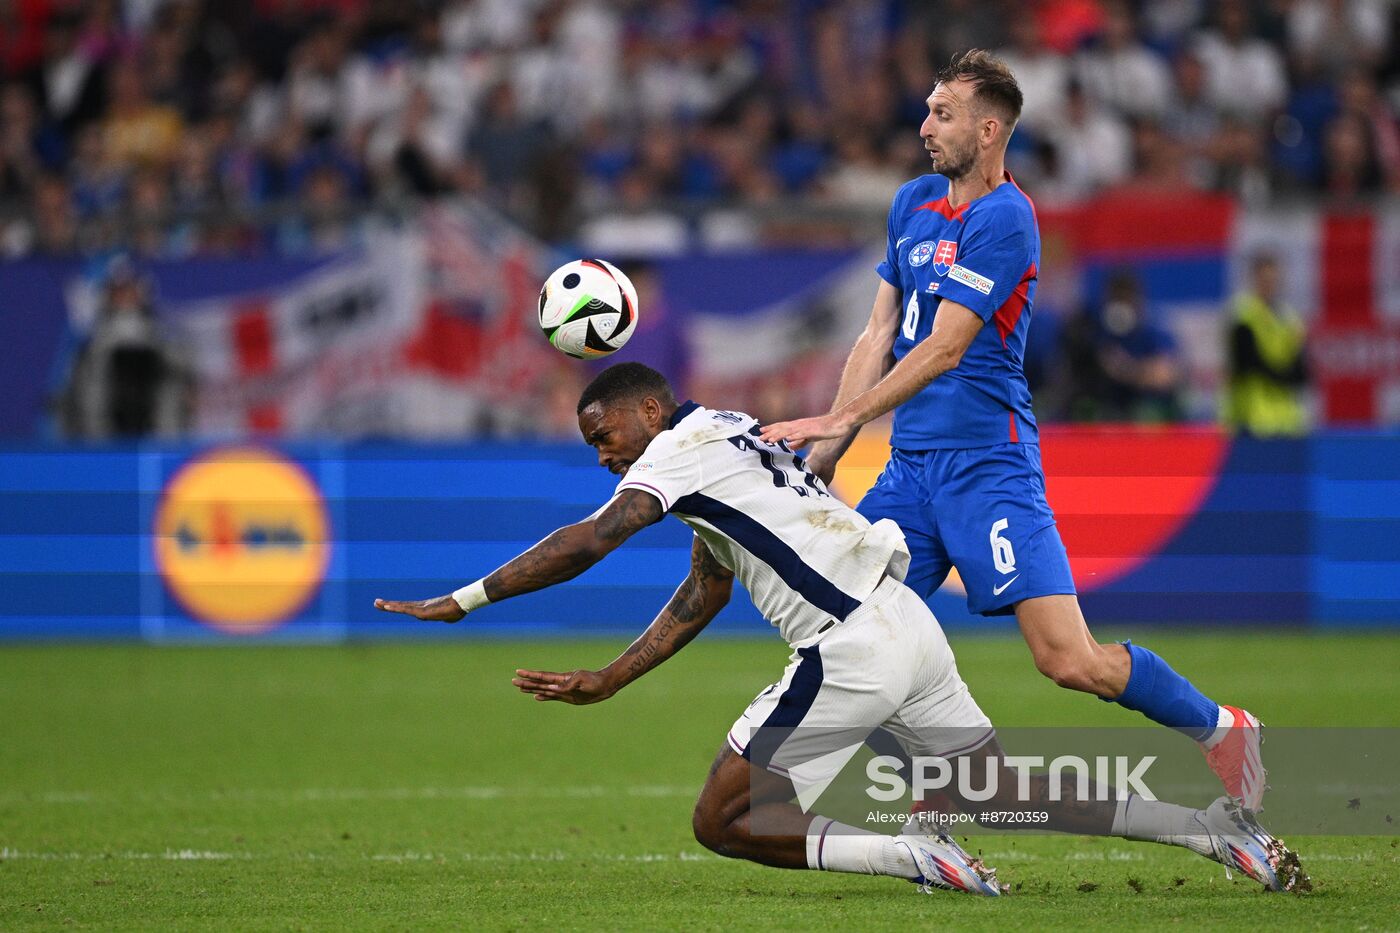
x,y
804,431
577,687
442,609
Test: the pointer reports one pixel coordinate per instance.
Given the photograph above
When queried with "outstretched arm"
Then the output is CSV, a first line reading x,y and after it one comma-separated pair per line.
x,y
562,556
954,329
870,359
699,598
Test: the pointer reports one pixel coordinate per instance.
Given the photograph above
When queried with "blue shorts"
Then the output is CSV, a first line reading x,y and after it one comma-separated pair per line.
x,y
982,510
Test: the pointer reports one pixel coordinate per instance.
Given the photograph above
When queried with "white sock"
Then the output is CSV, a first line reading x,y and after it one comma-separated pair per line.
x,y
1223,722
833,846
1155,821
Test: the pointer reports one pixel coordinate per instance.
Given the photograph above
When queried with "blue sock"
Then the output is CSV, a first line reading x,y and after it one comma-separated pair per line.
x,y
1164,696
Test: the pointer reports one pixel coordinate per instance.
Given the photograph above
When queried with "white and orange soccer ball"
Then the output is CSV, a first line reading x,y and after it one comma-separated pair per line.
x,y
588,308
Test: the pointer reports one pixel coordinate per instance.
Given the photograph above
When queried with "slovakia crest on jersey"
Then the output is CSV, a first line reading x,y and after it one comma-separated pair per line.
x,y
921,253
944,255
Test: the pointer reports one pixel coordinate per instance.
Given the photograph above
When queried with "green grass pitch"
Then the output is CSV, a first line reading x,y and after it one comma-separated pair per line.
x,y
408,787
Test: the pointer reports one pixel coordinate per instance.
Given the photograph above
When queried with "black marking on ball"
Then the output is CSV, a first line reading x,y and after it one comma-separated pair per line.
x,y
595,341
571,280
628,312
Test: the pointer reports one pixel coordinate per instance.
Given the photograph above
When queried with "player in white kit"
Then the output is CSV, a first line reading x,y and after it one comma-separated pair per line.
x,y
867,652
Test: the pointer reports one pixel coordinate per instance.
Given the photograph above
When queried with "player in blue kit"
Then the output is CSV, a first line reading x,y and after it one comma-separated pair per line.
x,y
943,350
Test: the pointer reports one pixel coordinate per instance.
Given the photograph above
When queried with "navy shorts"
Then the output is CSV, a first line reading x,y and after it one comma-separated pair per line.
x,y
980,509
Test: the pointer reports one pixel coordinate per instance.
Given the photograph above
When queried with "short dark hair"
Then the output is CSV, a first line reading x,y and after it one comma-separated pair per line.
x,y
626,382
993,82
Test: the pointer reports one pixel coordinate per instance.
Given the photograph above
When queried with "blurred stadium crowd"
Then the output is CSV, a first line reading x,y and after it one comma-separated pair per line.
x,y
190,127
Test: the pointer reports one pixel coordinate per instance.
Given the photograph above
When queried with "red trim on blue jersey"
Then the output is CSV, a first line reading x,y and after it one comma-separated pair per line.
x,y
942,207
1015,435
1027,197
1009,314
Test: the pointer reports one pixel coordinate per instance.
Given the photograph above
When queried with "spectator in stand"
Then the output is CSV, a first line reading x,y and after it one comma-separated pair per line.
x,y
328,220
1166,24
1297,153
1340,34
128,380
53,228
1121,72
536,104
1093,147
1350,170
315,89
139,131
860,176
802,150
1267,367
1160,163
1241,161
1043,74
1244,74
21,142
152,230
953,26
101,33
505,144
1359,96
98,179
414,152
68,81
1191,119
1124,365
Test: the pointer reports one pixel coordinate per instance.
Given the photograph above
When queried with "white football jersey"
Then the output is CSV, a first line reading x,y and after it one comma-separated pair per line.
x,y
805,557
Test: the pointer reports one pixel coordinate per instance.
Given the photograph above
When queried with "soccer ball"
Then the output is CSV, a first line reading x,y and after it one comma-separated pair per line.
x,y
588,308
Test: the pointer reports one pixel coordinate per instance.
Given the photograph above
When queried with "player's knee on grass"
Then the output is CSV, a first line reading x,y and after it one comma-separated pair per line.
x,y
719,824
720,820
723,800
707,828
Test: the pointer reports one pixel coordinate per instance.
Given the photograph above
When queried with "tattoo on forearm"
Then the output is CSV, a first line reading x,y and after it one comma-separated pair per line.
x,y
553,560
672,627
570,551
689,610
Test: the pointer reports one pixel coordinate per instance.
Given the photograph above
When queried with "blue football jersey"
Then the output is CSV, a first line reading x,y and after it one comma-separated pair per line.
x,y
983,255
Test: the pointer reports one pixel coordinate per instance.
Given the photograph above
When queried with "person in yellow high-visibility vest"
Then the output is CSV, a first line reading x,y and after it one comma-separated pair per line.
x,y
1268,370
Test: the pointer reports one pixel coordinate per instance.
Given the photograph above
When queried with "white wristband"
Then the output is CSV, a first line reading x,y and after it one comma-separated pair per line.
x,y
472,596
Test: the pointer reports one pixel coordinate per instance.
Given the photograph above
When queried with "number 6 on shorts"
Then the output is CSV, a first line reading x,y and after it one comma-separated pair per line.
x,y
1002,554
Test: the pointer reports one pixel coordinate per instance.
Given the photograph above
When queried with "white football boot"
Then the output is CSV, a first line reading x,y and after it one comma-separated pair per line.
x,y
1235,839
943,864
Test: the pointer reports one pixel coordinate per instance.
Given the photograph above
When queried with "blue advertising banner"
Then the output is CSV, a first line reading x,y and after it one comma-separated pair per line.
x,y
294,542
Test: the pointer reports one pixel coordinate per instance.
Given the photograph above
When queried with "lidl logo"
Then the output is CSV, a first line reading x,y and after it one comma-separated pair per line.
x,y
242,539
